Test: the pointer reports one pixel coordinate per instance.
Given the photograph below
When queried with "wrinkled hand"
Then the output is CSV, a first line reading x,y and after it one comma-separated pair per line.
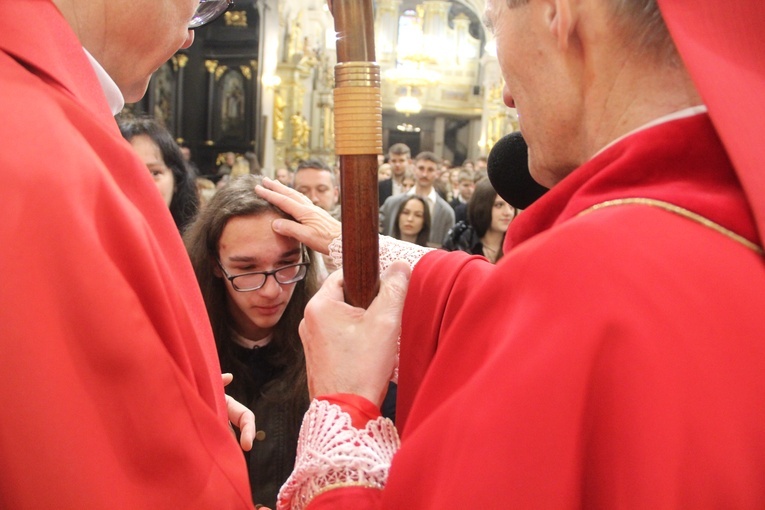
x,y
352,350
314,226
241,417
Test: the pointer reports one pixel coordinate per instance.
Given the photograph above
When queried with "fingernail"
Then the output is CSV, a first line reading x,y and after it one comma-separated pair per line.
x,y
277,225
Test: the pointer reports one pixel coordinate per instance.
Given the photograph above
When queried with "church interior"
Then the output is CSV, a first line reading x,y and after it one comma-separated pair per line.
x,y
259,82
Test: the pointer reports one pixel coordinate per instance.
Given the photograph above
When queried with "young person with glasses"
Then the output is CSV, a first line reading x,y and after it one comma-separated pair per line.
x,y
256,284
110,382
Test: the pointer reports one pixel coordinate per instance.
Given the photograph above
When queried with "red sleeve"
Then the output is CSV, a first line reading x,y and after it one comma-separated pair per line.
x,y
440,281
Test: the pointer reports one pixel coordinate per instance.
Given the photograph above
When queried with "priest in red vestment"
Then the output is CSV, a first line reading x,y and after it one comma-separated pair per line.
x,y
615,357
110,387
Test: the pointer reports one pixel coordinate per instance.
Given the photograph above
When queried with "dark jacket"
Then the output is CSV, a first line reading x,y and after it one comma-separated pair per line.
x,y
463,237
384,190
277,417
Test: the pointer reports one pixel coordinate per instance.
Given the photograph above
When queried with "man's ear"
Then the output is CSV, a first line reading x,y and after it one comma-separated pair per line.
x,y
561,22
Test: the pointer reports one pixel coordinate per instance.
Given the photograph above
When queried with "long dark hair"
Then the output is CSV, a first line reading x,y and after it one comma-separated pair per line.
x,y
424,236
185,202
479,209
238,198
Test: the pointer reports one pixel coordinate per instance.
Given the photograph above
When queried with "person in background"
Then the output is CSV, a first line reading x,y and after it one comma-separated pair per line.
x,y
316,180
252,159
160,153
255,284
110,385
400,159
613,357
442,185
466,186
413,224
481,164
454,183
229,159
408,181
205,190
384,172
491,216
241,167
284,175
488,218
186,152
441,214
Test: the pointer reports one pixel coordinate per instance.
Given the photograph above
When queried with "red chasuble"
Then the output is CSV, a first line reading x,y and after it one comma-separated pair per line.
x,y
612,359
110,389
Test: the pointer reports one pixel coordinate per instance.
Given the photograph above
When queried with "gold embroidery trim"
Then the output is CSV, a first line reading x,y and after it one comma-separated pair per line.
x,y
685,213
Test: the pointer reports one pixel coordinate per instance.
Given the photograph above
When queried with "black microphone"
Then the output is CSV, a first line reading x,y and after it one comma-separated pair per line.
x,y
508,170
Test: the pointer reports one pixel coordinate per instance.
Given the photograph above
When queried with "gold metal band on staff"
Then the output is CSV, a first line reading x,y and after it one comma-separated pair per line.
x,y
358,109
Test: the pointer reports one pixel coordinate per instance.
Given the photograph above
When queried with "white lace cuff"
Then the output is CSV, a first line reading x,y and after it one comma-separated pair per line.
x,y
391,250
332,453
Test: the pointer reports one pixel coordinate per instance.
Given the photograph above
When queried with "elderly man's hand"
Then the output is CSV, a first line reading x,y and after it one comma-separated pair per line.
x,y
352,350
314,227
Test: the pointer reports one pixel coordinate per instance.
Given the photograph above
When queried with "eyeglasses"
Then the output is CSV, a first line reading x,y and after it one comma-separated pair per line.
x,y
208,11
247,282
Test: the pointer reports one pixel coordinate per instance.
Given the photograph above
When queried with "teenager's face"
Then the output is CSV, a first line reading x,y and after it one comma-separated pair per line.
x,y
398,163
425,172
502,214
248,244
412,218
467,187
151,156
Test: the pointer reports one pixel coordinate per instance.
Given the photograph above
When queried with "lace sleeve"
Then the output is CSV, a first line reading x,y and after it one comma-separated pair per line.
x,y
332,453
391,250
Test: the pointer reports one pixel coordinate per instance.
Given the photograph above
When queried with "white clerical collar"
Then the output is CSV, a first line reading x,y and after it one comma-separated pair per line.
x,y
113,94
680,114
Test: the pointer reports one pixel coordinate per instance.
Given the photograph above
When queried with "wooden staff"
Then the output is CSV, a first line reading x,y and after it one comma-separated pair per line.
x,y
358,141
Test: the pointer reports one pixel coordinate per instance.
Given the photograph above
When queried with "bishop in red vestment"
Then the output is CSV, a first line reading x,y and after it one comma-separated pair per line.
x,y
110,388
614,357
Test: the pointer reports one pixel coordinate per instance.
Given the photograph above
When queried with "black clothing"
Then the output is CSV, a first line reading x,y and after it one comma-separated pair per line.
x,y
278,415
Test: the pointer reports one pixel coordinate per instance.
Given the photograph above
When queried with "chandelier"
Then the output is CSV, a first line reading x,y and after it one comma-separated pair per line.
x,y
411,73
408,104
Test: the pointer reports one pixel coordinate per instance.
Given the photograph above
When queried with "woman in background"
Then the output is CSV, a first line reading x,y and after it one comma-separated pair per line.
x,y
489,217
413,221
164,159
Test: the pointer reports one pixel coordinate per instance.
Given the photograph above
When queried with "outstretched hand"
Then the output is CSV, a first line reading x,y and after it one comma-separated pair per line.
x,y
352,350
240,417
313,227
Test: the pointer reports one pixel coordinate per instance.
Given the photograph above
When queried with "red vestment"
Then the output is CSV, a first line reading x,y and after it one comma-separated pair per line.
x,y
110,387
611,359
